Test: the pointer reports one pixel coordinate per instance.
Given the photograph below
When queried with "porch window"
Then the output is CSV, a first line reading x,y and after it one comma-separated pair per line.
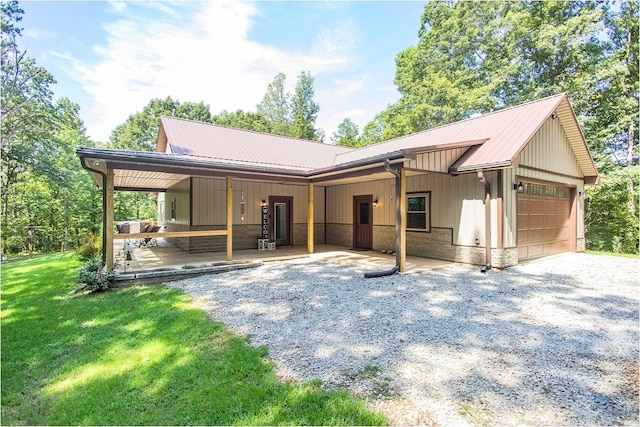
x,y
418,212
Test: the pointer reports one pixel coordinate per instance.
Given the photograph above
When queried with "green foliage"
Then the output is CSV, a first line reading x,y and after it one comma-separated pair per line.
x,y
140,130
611,212
243,120
26,109
134,206
304,110
93,275
144,355
347,134
91,248
275,106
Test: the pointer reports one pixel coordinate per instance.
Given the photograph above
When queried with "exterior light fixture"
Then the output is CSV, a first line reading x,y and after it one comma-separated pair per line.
x,y
519,187
554,115
263,203
375,203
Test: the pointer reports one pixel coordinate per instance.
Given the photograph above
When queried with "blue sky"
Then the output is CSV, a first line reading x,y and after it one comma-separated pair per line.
x,y
113,57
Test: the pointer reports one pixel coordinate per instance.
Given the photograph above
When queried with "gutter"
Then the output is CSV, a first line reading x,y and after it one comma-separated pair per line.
x,y
104,204
136,158
395,269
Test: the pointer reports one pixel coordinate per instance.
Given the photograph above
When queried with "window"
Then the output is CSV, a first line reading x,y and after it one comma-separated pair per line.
x,y
536,190
418,212
563,193
551,191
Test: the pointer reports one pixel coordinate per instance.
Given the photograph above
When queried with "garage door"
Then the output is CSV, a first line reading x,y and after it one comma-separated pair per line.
x,y
544,213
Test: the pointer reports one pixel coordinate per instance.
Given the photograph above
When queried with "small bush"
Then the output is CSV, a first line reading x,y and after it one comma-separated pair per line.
x,y
93,275
90,249
15,244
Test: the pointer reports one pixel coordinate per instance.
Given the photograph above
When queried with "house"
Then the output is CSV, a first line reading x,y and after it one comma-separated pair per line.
x,y
492,190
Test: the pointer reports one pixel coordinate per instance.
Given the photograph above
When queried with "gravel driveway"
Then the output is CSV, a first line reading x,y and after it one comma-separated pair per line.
x,y
554,342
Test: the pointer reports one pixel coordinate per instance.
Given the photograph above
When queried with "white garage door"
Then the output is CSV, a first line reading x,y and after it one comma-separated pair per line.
x,y
544,213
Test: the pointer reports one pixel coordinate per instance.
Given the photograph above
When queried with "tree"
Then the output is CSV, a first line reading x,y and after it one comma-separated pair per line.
x,y
610,225
275,106
243,120
372,131
27,112
347,134
304,110
140,130
474,57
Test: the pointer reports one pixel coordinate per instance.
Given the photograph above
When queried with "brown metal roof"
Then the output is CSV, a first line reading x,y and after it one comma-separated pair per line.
x,y
500,136
186,147
224,143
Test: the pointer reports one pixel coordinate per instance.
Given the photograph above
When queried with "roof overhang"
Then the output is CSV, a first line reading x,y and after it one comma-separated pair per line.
x,y
152,171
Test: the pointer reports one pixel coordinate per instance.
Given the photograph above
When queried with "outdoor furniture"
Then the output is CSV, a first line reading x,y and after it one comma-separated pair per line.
x,y
148,241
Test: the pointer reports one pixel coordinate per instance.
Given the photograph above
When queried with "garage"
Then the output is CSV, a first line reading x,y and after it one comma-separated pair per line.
x,y
544,225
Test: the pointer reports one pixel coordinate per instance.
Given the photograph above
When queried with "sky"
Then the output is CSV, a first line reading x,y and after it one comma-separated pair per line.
x,y
113,57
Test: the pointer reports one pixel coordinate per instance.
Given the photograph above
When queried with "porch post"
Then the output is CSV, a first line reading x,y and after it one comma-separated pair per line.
x,y
108,219
403,220
229,218
310,219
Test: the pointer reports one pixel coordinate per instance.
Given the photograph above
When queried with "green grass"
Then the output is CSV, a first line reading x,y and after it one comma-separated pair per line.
x,y
612,254
144,355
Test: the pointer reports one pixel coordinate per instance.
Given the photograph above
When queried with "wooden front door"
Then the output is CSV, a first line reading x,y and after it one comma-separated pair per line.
x,y
363,222
281,220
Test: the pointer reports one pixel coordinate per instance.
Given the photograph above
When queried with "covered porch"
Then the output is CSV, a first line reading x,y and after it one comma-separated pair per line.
x,y
167,257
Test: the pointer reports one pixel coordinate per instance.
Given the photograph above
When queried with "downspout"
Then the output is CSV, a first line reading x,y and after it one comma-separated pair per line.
x,y
487,221
395,269
104,204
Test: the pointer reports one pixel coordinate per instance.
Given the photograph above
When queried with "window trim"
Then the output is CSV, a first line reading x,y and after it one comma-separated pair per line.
x,y
427,205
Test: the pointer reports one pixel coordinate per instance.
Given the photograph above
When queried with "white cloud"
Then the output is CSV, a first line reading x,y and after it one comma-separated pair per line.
x,y
204,56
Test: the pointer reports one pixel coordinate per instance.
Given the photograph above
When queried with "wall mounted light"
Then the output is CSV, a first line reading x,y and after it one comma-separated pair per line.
x,y
554,115
580,194
375,203
519,187
263,203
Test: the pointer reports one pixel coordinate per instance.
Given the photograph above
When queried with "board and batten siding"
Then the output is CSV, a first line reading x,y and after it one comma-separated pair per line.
x,y
209,201
438,161
549,150
457,202
547,158
179,194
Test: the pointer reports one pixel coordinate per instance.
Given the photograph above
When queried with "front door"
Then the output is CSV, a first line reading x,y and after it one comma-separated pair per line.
x,y
281,220
363,222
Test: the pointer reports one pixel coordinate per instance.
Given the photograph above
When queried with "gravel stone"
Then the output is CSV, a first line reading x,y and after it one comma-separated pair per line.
x,y
552,342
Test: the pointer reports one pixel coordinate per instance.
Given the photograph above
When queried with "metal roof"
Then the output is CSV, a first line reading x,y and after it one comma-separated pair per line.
x,y
494,140
230,144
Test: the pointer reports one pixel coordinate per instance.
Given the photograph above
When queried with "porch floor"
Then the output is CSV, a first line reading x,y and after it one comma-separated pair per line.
x,y
168,257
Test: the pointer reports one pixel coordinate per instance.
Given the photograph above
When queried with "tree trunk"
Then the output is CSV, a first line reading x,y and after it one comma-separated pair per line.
x,y
632,205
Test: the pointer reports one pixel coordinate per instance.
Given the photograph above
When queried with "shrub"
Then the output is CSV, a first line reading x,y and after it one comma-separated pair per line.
x,y
90,249
93,276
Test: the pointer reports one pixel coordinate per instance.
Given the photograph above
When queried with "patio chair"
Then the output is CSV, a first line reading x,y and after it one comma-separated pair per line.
x,y
148,241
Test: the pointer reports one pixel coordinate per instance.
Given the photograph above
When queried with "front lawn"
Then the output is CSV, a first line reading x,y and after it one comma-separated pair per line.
x,y
146,355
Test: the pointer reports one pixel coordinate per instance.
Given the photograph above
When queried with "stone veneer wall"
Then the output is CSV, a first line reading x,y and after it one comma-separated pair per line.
x,y
436,244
